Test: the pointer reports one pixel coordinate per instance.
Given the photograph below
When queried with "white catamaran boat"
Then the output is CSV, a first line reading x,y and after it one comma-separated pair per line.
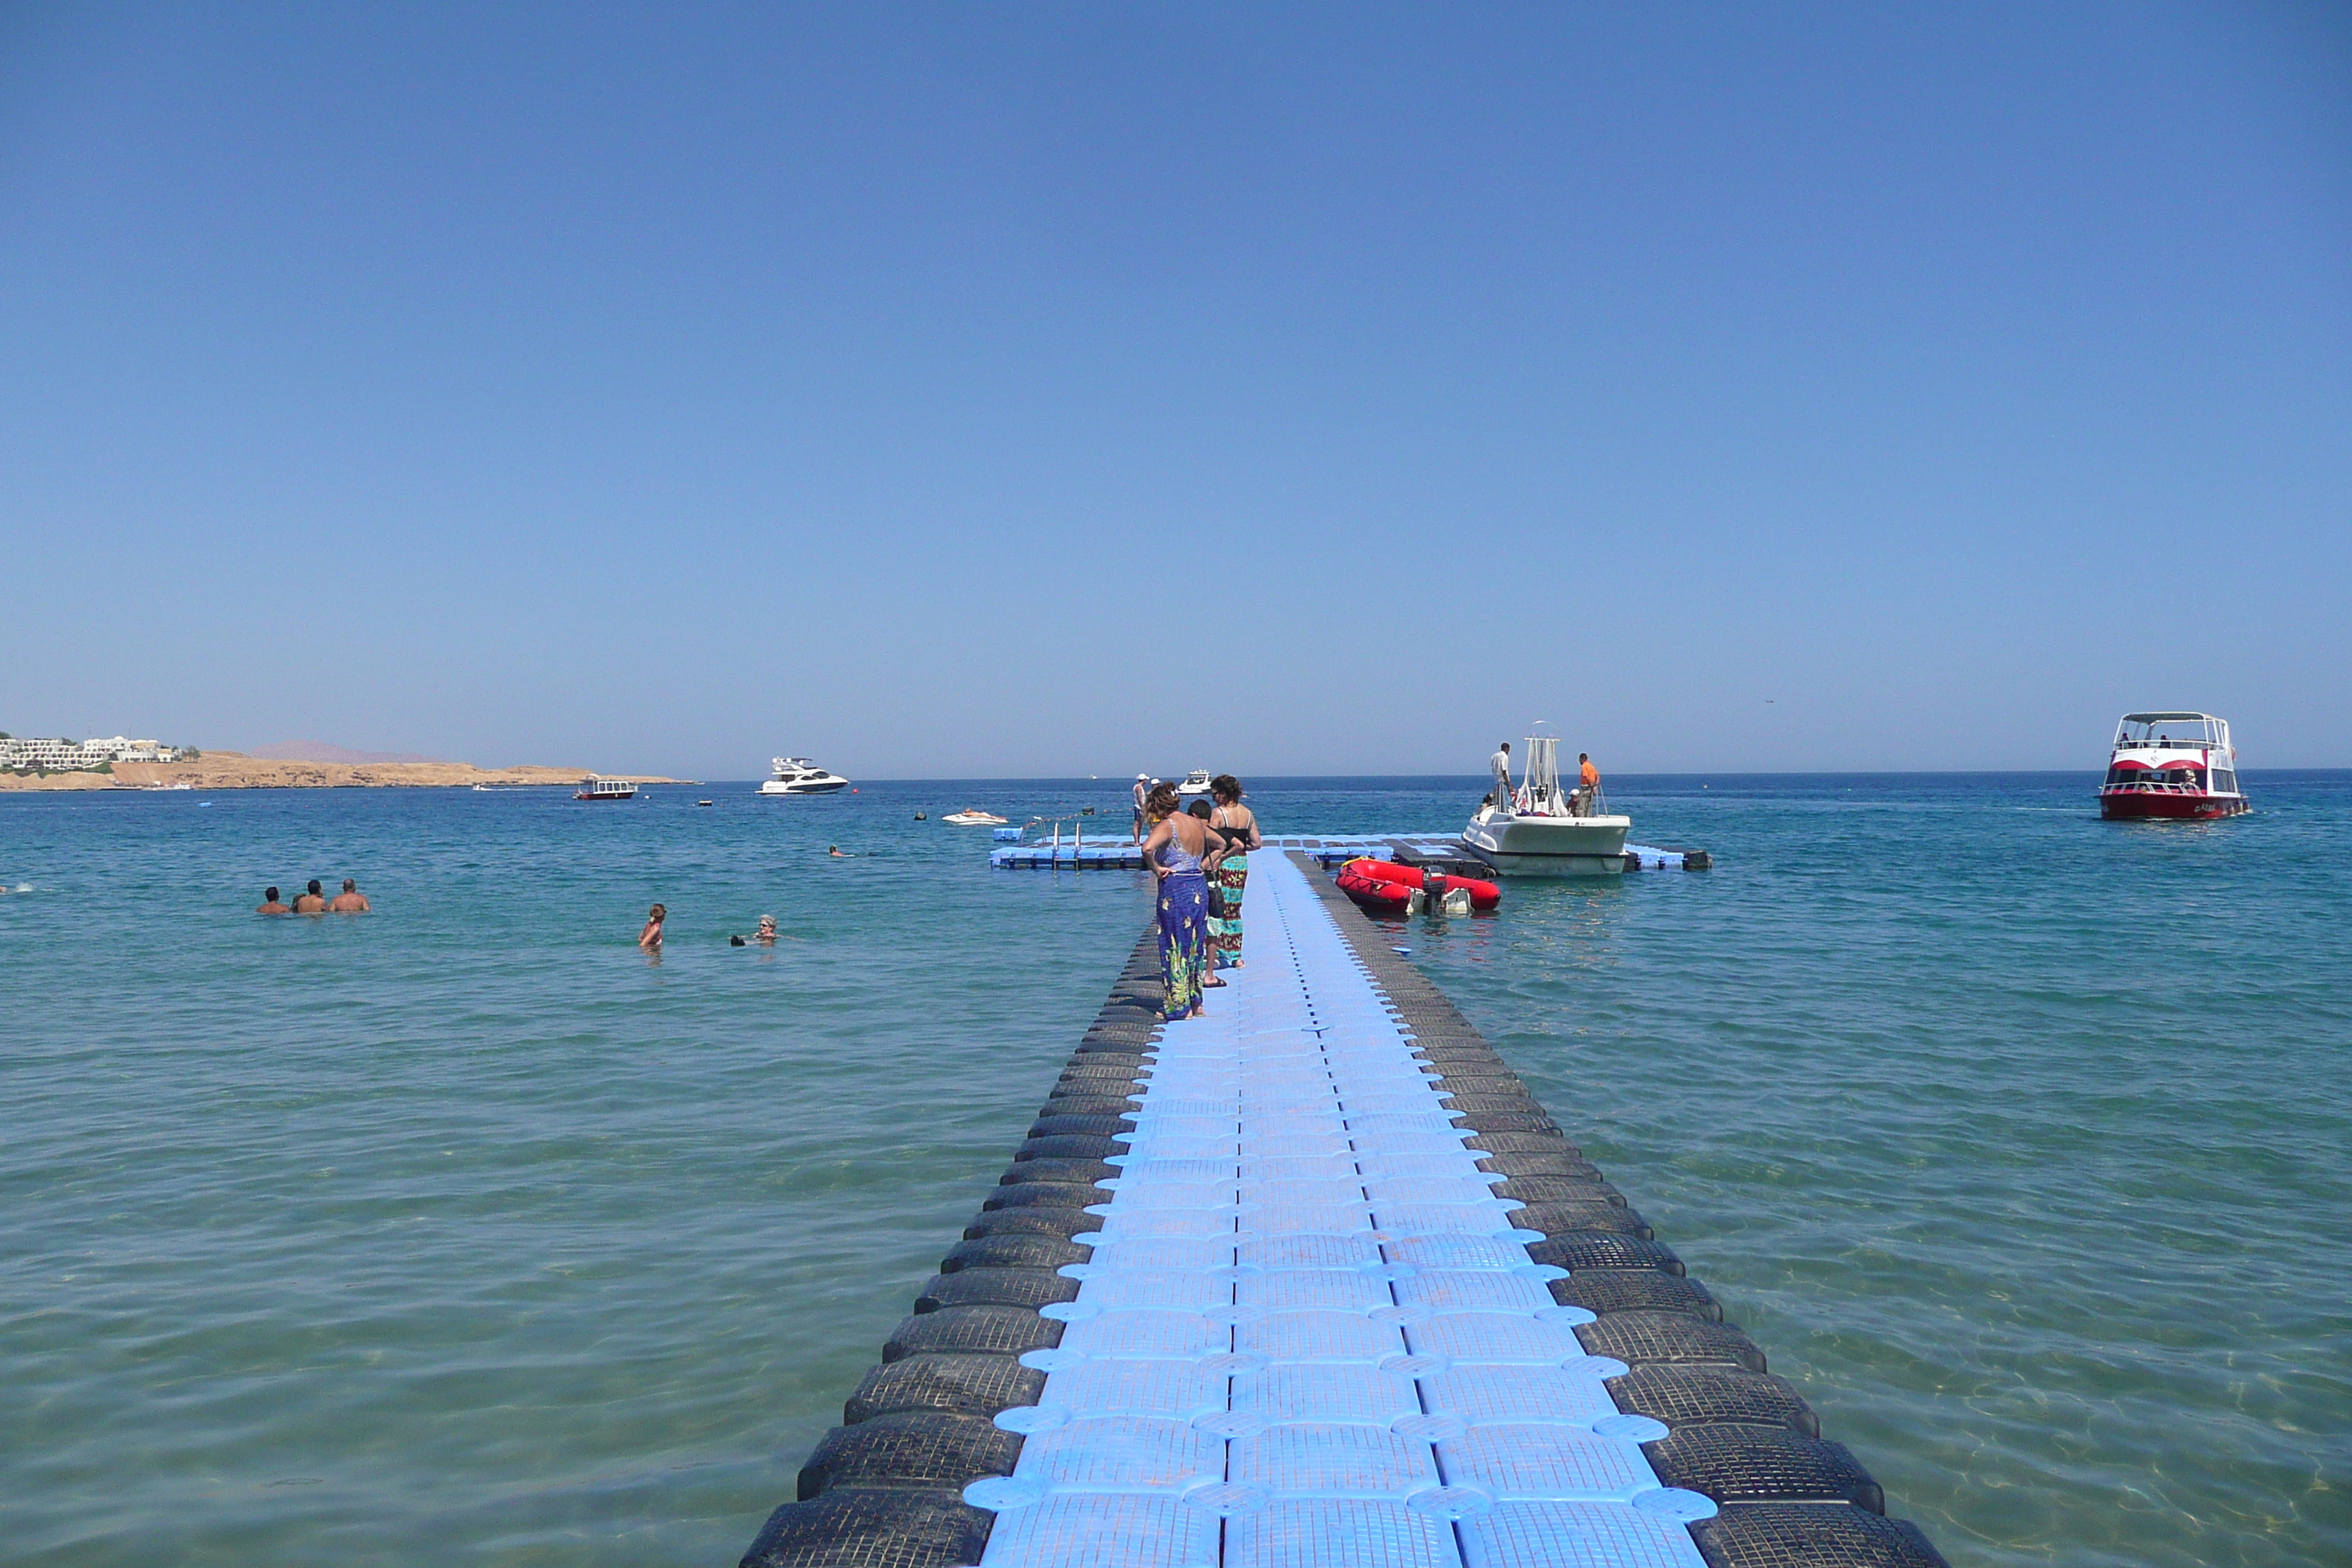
x,y
1541,830
798,775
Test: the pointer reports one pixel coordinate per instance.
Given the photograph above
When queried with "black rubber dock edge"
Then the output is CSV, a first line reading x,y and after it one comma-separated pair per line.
x,y
1746,1438
884,1489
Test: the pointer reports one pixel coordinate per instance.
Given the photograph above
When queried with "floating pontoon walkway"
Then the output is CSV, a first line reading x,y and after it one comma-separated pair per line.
x,y
1329,849
1314,1281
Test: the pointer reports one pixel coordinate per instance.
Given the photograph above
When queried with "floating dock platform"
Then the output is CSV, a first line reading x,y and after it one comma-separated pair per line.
x,y
1328,850
1314,1282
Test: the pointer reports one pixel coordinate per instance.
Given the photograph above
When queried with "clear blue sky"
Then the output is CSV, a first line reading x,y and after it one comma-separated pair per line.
x,y
1013,390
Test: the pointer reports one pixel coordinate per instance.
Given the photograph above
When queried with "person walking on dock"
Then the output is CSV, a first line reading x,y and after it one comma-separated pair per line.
x,y
1588,785
1500,764
1142,791
1177,844
1229,874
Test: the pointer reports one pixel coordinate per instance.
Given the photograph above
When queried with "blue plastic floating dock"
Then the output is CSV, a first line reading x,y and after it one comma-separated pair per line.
x,y
1328,850
1313,1282
1307,1333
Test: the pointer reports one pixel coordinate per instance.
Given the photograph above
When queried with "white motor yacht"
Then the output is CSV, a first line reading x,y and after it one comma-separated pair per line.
x,y
1195,782
798,775
1542,830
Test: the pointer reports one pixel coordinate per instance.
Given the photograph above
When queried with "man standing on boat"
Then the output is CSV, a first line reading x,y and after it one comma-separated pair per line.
x,y
1501,764
1588,784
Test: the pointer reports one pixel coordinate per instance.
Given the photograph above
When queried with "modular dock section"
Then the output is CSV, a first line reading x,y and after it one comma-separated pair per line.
x,y
1313,1280
1326,849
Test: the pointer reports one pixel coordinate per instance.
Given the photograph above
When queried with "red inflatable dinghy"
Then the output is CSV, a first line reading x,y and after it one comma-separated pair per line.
x,y
1371,894
1385,887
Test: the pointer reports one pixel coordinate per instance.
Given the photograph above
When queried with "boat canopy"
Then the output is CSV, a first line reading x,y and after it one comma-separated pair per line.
x,y
2171,719
1539,791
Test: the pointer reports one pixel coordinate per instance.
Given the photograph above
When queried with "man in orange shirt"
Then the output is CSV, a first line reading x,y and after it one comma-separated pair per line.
x,y
1588,784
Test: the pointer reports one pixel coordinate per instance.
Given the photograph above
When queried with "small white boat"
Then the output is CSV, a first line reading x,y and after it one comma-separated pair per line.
x,y
608,789
972,817
1195,782
1541,830
798,775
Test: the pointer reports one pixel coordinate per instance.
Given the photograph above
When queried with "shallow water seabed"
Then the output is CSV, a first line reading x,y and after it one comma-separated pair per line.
x,y
2019,1140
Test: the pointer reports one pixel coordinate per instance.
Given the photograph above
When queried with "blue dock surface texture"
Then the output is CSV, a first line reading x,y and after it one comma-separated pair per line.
x,y
1327,851
1311,1281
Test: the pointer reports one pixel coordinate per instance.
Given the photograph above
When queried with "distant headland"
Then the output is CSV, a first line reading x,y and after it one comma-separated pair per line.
x,y
142,765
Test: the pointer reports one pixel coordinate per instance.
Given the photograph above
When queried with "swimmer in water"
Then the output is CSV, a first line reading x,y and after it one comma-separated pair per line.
x,y
312,902
270,904
765,936
350,901
836,853
651,937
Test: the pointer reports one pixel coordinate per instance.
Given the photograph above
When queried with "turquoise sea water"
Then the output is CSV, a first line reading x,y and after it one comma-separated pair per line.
x,y
2022,1141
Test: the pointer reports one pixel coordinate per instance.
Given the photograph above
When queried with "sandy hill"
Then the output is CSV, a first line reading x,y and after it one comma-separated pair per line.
x,y
235,770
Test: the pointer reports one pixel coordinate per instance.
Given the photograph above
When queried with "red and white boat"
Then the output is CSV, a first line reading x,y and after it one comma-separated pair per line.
x,y
2172,766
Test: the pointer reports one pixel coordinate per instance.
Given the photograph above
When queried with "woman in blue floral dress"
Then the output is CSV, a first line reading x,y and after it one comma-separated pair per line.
x,y
1177,845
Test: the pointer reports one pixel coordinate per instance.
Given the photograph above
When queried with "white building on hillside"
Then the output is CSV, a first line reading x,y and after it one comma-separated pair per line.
x,y
60,755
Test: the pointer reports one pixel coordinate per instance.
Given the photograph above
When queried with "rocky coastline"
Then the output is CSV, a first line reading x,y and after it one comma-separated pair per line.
x,y
234,770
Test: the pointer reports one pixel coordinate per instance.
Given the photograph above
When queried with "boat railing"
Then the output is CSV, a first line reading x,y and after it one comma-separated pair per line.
x,y
2158,786
2169,743
1526,803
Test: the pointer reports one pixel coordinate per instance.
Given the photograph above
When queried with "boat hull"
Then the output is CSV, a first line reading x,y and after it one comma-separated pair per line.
x,y
1548,846
1371,895
2151,805
772,787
